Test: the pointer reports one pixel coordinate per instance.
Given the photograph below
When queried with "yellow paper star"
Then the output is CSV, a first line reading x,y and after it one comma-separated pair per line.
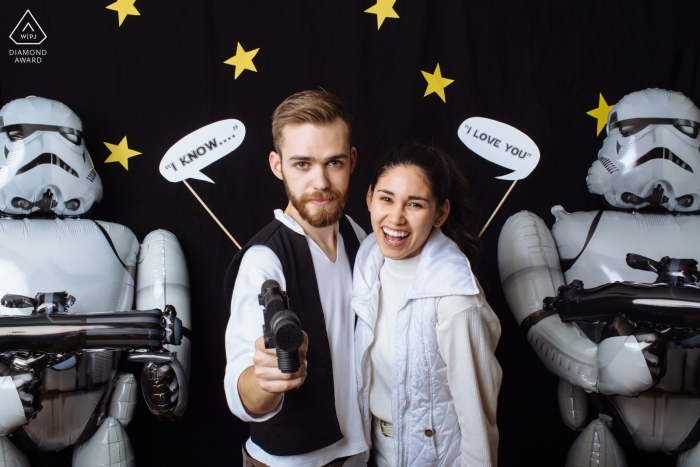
x,y
383,9
121,153
124,8
436,83
242,60
601,113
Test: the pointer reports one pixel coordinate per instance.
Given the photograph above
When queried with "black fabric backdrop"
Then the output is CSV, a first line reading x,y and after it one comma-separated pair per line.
x,y
538,66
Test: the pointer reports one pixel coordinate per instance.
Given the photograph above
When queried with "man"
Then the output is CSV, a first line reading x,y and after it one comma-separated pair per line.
x,y
311,417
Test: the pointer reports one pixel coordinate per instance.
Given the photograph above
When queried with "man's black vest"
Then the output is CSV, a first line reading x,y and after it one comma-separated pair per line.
x,y
307,420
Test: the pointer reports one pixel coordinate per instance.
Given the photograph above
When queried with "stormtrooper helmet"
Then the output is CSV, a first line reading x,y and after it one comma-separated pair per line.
x,y
651,155
44,166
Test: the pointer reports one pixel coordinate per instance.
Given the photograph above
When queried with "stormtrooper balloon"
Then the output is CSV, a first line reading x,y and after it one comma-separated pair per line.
x,y
68,289
624,374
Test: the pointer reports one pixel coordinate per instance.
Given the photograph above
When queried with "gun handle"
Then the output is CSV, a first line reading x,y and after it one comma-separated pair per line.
x,y
642,263
620,326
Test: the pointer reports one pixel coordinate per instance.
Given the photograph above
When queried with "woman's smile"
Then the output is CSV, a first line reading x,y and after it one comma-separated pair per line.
x,y
395,237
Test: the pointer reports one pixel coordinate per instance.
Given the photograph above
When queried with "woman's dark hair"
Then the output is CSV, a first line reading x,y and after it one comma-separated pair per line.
x,y
445,182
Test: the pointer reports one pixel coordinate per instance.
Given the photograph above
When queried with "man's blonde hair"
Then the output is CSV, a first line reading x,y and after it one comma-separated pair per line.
x,y
315,107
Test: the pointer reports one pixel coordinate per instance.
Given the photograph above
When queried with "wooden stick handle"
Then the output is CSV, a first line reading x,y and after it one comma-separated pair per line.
x,y
212,214
498,207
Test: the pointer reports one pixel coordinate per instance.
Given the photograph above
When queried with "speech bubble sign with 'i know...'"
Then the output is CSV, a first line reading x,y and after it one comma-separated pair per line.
x,y
186,158
501,144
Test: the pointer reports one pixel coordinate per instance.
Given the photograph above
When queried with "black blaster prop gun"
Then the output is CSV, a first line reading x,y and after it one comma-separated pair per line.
x,y
670,306
52,336
282,330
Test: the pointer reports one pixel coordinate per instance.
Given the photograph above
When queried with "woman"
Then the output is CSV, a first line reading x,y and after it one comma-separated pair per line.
x,y
425,336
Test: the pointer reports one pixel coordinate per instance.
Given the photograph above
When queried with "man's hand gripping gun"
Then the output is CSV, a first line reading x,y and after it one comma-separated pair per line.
x,y
669,306
52,336
281,329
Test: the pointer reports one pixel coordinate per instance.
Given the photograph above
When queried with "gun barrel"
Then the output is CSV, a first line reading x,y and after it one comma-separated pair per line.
x,y
665,304
64,332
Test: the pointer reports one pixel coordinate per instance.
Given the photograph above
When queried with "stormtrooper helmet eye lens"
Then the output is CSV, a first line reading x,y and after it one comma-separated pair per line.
x,y
75,139
73,204
631,129
687,130
18,135
685,201
21,203
626,130
630,198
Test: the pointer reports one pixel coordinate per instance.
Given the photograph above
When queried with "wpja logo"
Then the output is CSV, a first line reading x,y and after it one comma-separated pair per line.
x,y
28,32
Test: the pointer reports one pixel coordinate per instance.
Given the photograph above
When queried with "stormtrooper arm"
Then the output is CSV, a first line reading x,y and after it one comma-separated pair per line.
x,y
530,271
162,280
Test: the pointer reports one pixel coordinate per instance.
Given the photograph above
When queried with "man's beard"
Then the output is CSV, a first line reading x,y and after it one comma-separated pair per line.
x,y
322,216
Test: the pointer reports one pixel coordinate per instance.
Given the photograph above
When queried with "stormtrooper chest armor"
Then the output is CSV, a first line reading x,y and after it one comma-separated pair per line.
x,y
95,265
616,234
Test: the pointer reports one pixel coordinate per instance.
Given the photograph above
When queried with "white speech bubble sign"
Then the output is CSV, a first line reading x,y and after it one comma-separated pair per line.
x,y
186,158
501,144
